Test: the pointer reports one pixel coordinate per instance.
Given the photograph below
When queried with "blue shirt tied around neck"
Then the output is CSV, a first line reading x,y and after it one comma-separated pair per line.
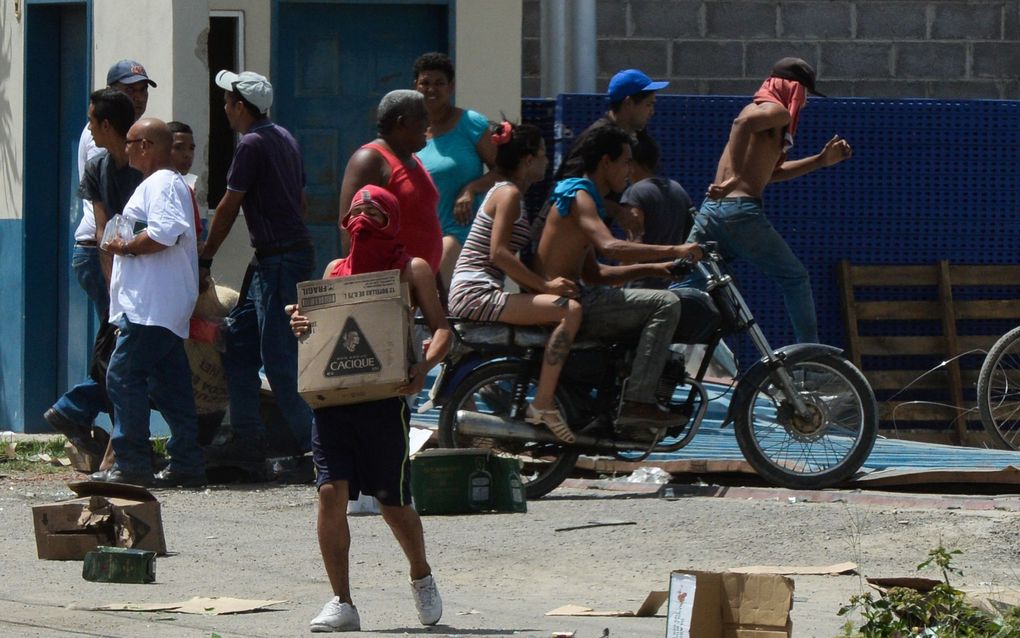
x,y
565,192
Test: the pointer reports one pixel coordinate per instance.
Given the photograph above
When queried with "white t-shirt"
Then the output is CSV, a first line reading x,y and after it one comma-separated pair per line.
x,y
159,289
87,149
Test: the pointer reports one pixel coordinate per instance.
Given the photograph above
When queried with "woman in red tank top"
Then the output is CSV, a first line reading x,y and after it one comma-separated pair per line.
x,y
389,161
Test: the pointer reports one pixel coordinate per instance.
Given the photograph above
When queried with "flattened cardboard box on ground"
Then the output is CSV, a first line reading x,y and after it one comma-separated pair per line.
x,y
357,348
110,514
729,605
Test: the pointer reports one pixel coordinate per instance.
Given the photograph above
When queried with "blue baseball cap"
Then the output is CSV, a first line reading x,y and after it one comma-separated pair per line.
x,y
631,82
127,72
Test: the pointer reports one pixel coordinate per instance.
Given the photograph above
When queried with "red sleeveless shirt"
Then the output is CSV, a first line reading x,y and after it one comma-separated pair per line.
x,y
419,222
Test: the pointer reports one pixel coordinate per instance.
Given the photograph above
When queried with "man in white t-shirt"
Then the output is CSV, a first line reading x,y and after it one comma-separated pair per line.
x,y
74,412
152,295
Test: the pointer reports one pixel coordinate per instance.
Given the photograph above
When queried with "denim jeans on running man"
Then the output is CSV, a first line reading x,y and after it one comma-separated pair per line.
x,y
743,231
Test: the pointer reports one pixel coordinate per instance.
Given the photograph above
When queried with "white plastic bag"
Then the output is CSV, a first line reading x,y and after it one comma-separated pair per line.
x,y
119,227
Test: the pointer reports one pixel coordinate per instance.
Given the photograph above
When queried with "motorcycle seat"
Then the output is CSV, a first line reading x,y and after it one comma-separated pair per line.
x,y
488,334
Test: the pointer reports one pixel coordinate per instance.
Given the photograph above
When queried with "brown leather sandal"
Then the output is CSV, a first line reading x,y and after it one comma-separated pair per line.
x,y
551,419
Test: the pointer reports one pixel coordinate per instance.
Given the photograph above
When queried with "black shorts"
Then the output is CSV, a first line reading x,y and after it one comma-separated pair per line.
x,y
366,445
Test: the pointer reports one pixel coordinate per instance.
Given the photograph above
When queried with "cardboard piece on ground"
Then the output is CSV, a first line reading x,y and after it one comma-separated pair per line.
x,y
651,605
209,606
1009,475
729,605
994,602
913,582
111,514
357,347
80,459
802,570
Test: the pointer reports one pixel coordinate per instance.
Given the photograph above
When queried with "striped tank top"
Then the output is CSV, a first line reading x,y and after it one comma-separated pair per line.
x,y
474,265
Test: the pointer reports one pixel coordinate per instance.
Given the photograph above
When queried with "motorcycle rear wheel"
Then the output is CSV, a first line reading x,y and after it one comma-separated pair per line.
x,y
489,390
819,451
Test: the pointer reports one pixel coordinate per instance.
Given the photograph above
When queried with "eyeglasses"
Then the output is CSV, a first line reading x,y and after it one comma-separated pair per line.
x,y
140,139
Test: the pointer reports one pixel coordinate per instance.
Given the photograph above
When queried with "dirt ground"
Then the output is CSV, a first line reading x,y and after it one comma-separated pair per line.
x,y
498,574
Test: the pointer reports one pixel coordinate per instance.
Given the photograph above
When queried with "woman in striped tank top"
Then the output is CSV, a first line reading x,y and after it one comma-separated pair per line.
x,y
499,231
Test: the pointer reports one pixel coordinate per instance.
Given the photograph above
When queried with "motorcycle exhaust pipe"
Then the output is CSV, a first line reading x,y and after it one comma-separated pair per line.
x,y
490,426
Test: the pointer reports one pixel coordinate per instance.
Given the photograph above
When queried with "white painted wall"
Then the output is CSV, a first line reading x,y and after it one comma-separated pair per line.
x,y
12,114
488,56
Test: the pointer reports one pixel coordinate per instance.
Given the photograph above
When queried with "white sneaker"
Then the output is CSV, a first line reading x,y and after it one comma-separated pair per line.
x,y
336,616
427,600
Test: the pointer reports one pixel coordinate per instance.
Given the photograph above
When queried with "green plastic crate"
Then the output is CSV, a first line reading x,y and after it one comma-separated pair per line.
x,y
507,489
456,481
449,481
119,565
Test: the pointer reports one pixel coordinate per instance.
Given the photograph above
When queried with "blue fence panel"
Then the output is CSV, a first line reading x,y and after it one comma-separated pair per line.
x,y
929,180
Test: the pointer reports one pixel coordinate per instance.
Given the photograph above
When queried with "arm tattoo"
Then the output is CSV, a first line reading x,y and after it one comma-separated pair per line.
x,y
558,348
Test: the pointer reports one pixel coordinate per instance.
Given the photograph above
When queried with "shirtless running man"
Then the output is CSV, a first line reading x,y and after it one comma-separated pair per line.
x,y
755,155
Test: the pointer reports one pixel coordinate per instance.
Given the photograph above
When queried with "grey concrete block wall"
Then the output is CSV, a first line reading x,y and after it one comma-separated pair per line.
x,y
860,48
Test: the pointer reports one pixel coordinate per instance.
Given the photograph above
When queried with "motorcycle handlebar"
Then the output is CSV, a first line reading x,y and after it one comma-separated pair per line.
x,y
683,266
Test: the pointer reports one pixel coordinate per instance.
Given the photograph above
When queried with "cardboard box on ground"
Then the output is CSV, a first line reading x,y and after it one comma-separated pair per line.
x,y
105,514
358,345
729,605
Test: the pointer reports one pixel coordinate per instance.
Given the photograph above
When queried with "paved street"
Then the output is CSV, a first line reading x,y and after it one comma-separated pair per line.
x,y
498,574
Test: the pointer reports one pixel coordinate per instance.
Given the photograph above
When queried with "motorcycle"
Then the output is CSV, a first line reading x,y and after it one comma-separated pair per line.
x,y
803,415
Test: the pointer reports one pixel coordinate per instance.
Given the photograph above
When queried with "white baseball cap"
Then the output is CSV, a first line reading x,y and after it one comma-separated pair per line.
x,y
253,87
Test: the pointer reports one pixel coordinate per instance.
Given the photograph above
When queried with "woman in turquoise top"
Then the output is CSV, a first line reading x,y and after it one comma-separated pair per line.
x,y
456,155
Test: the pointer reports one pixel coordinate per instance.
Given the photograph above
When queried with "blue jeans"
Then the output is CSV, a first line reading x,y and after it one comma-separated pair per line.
x,y
85,401
609,313
743,231
149,361
256,335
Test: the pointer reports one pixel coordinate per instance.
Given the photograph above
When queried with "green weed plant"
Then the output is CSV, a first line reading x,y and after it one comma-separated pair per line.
x,y
942,612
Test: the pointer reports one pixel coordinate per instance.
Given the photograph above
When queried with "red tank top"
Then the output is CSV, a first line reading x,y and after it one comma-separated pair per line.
x,y
419,223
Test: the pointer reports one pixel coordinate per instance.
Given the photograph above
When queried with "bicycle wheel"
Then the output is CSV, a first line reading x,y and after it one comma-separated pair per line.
x,y
490,390
818,450
998,390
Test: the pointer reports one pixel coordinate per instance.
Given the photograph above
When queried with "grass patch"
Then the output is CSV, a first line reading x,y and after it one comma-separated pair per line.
x,y
54,446
26,455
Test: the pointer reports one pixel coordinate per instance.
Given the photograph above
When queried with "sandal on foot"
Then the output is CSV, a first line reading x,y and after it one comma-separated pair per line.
x,y
551,419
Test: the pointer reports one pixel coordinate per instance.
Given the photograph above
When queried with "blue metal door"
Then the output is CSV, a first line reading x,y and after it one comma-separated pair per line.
x,y
58,323
332,63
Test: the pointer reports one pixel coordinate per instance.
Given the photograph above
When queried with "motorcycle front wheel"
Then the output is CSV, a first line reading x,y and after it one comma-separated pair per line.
x,y
823,446
998,390
491,390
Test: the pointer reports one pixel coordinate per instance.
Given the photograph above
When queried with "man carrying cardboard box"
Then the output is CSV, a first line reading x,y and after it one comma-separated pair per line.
x,y
362,447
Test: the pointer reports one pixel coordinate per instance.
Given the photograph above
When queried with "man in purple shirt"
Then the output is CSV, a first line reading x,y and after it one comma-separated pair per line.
x,y
267,177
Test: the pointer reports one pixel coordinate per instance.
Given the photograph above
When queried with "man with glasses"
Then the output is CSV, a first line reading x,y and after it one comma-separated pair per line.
x,y
153,290
72,415
267,176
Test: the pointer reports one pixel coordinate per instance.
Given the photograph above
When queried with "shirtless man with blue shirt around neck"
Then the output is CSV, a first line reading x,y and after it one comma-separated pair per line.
x,y
575,232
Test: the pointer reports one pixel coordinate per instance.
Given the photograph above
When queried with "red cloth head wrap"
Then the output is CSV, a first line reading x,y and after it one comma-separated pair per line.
x,y
373,247
789,94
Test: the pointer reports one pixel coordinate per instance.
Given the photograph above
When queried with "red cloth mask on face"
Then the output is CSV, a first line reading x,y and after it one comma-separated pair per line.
x,y
789,94
374,247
